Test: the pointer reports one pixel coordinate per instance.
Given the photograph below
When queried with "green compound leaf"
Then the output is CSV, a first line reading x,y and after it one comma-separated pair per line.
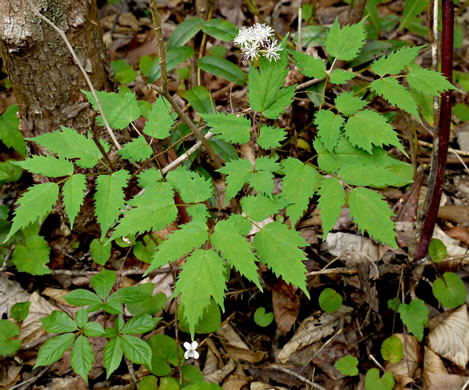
x,y
374,382
348,104
9,132
112,355
209,323
73,193
148,214
8,330
279,248
428,81
392,350
345,44
300,183
340,76
261,318
283,99
34,205
70,144
414,316
238,173
139,324
109,198
372,176
449,290
201,100
53,349
367,128
395,62
259,207
47,166
331,200
174,57
100,252
308,65
396,94
119,109
271,137
164,353
375,218
123,72
192,187
236,249
184,32
220,29
82,357
58,322
20,311
136,150
330,300
329,128
160,120
347,365
202,278
179,243
262,182
223,68
229,127
33,256
437,250
267,164
82,297
103,282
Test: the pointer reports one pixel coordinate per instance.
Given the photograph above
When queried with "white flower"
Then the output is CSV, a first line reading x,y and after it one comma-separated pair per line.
x,y
250,52
262,32
272,49
191,350
244,36
257,40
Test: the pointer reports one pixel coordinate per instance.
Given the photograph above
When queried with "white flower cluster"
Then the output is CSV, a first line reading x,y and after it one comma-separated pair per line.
x,y
257,40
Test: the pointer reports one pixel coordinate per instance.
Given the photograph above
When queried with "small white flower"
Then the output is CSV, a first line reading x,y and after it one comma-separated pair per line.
x,y
261,32
272,49
244,36
250,52
191,350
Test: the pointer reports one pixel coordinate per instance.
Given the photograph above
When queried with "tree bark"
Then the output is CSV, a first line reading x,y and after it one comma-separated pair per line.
x,y
45,79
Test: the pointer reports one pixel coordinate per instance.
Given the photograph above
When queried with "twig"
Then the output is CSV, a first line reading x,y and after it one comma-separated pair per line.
x,y
130,367
455,151
297,376
339,270
465,385
128,272
161,46
83,71
300,27
32,380
7,258
376,362
307,84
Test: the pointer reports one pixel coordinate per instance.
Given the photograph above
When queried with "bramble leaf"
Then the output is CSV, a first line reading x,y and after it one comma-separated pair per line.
x,y
237,171
428,81
331,200
271,137
395,62
414,316
82,357
73,193
348,104
136,150
192,187
345,43
308,65
259,207
47,166
160,120
329,128
229,127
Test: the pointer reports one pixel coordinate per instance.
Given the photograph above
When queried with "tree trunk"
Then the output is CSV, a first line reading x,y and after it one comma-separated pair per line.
x,y
45,79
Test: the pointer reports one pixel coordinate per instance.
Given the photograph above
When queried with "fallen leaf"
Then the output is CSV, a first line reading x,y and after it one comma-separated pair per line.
x,y
286,305
403,371
435,376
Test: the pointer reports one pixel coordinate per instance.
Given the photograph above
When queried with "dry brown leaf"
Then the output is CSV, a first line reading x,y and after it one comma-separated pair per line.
x,y
220,375
460,233
234,384
9,375
243,354
211,363
435,376
286,305
11,292
450,338
403,372
454,213
231,337
452,246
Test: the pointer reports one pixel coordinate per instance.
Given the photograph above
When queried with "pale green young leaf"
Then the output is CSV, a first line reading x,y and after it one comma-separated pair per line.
x,y
395,62
345,43
112,355
192,187
450,290
229,127
298,186
34,205
347,365
160,120
103,282
348,104
262,182
184,32
340,76
198,212
308,65
139,324
374,382
53,349
179,243
58,322
155,209
33,256
149,177
73,193
240,224
329,128
396,94
414,316
367,128
428,81
331,200
136,150
268,164
271,137
238,173
279,248
20,310
109,198
119,109
9,132
259,207
283,100
82,357
202,278
70,144
47,166
372,176
136,350
236,249
375,217
100,252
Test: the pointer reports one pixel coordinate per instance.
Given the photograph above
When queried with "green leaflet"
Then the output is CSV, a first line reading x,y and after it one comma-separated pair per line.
x,y
299,184
411,10
109,198
200,99
112,355
53,349
262,182
229,127
9,132
8,330
345,44
259,207
201,279
136,150
329,128
238,172
308,65
271,137
47,166
35,204
82,357
340,76
221,67
73,193
220,29
395,62
331,200
160,120
348,104
372,176
184,32
414,316
33,256
136,350
279,248
174,57
149,177
372,214
428,82
191,186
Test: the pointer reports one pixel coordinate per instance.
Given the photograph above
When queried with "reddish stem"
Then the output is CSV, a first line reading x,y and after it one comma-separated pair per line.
x,y
444,129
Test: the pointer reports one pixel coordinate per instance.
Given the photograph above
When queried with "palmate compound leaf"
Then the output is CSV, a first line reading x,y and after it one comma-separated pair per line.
x,y
155,209
345,44
238,172
331,200
35,204
229,127
396,94
136,150
191,186
73,193
329,128
414,316
428,81
47,166
367,128
109,198
348,104
372,214
300,183
179,243
279,248
395,62
271,137
308,65
70,144
160,120
202,278
236,249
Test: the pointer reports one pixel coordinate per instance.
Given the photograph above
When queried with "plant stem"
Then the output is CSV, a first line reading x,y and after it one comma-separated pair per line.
x,y
161,46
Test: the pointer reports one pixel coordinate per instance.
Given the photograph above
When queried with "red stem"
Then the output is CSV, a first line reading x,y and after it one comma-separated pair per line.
x,y
444,130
